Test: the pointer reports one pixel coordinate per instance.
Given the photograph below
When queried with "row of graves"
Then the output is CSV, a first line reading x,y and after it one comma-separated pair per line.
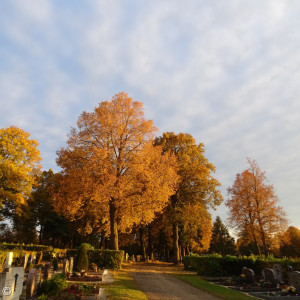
x,y
18,284
273,283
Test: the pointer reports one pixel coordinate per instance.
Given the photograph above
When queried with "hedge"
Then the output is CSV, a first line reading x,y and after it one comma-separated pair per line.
x,y
216,265
103,258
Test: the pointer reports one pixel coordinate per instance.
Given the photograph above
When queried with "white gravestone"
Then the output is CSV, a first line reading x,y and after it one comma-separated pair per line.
x,y
11,283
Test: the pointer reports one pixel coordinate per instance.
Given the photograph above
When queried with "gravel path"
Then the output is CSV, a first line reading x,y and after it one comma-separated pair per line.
x,y
156,281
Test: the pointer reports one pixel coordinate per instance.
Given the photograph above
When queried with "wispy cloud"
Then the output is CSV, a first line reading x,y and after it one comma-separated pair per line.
x,y
226,72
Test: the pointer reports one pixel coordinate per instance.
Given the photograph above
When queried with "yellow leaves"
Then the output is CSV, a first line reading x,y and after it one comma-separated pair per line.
x,y
19,164
110,158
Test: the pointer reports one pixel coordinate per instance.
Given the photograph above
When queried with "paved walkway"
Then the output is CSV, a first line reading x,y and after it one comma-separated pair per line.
x,y
156,281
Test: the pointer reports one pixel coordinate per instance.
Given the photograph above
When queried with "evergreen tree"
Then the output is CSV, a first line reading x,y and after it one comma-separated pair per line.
x,y
221,241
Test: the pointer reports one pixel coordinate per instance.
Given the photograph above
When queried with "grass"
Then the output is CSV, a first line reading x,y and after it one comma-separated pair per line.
x,y
213,289
124,287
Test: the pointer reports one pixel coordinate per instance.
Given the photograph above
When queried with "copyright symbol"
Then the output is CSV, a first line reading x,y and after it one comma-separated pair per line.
x,y
6,291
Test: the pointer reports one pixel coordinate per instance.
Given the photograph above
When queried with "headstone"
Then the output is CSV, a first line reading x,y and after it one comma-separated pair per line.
x,y
95,268
133,259
8,261
269,275
32,282
278,271
294,279
126,256
71,265
66,266
249,273
48,271
138,257
26,256
11,283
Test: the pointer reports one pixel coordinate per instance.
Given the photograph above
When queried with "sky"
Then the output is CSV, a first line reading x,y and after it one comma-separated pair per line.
x,y
227,72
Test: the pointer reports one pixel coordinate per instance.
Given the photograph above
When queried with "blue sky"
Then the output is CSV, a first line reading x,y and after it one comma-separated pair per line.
x,y
226,72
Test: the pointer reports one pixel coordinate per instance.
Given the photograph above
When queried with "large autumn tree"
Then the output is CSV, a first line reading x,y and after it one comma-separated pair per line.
x,y
112,174
19,165
253,209
197,190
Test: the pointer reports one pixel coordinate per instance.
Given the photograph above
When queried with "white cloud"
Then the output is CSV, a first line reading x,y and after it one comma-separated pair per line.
x,y
226,72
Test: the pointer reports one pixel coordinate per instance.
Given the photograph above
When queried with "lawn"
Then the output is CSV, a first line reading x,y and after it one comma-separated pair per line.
x,y
214,289
124,287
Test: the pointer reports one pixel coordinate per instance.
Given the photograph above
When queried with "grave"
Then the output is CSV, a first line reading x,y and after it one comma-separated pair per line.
x,y
48,271
294,279
11,283
71,265
32,282
269,276
278,271
249,273
66,265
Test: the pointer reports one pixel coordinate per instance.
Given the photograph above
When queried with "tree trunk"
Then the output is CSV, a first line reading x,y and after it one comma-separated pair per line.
x,y
142,244
175,244
150,244
113,227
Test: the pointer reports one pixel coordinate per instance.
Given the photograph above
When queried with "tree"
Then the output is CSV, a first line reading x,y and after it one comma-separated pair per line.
x,y
196,190
290,242
19,165
253,209
221,241
111,171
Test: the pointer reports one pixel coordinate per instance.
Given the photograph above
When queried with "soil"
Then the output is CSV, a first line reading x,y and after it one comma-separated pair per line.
x,y
156,281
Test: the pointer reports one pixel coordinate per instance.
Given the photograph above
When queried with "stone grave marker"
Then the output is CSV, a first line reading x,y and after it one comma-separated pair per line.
x,y
138,258
25,259
71,265
48,271
11,283
8,261
126,256
278,271
66,265
249,273
32,282
269,275
294,279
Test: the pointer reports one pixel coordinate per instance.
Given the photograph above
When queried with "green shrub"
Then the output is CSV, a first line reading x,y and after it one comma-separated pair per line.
x,y
216,265
53,286
82,260
111,259
42,297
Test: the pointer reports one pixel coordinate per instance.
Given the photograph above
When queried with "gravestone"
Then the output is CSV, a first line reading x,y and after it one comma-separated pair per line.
x,y
249,273
32,282
8,261
126,256
95,268
294,279
66,266
278,271
11,283
138,258
48,271
269,276
25,259
71,265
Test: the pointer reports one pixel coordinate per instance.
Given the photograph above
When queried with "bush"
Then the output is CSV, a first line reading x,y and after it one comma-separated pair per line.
x,y
54,286
111,259
216,265
82,260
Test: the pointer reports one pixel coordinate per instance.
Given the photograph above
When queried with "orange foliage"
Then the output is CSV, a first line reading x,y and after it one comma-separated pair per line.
x,y
111,169
254,209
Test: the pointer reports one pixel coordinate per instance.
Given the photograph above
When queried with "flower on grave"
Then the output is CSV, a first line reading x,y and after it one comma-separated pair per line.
x,y
289,289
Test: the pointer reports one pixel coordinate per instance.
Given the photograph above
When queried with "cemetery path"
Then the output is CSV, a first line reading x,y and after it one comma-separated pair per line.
x,y
156,281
